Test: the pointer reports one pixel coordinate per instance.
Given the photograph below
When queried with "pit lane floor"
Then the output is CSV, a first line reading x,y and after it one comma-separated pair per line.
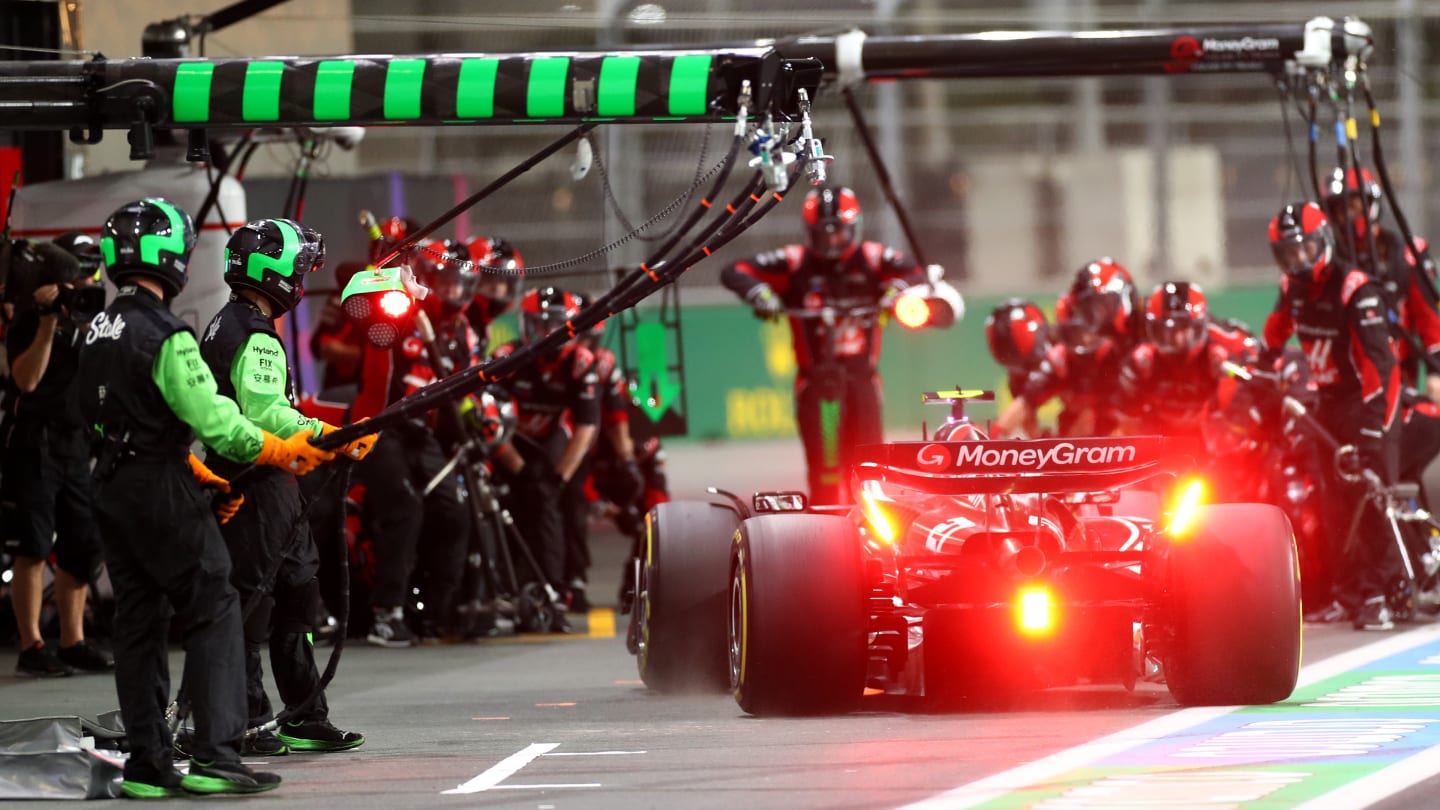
x,y
561,721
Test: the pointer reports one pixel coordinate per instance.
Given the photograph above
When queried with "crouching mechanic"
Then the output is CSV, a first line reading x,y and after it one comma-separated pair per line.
x,y
266,263
144,388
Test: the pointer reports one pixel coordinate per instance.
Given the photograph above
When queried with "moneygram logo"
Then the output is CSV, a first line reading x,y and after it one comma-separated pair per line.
x,y
933,457
1039,459
1246,45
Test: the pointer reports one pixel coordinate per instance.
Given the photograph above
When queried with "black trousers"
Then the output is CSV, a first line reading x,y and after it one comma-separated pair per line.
x,y
537,505
47,499
1362,563
836,409
165,554
411,529
268,529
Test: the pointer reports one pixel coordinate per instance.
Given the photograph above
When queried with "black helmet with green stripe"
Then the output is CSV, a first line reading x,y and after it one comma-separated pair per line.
x,y
272,257
153,237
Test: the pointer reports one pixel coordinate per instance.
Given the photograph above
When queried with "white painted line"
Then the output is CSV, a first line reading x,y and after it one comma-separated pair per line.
x,y
1381,784
545,787
503,769
997,785
594,753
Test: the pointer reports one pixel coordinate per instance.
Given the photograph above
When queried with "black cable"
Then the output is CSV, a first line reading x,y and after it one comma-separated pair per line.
x,y
882,173
1295,171
495,185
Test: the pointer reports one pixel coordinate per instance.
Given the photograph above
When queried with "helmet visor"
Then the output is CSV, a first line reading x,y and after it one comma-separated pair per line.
x,y
1298,254
830,238
1175,335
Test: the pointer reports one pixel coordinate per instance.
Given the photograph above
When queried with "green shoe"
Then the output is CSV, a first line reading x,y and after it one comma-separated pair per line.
x,y
318,736
140,790
143,782
227,777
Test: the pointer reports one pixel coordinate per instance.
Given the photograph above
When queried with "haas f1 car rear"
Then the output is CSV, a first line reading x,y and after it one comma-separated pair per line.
x,y
970,567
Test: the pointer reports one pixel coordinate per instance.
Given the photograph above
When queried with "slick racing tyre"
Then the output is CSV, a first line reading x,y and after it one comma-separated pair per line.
x,y
797,615
1234,601
681,609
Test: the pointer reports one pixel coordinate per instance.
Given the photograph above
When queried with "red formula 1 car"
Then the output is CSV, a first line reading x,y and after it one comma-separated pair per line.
x,y
969,567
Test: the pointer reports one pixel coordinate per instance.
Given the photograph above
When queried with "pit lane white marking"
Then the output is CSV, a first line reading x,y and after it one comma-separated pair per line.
x,y
1387,782
1413,769
503,769
509,766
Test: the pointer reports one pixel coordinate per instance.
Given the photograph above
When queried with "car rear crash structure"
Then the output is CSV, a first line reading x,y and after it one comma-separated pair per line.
x,y
968,568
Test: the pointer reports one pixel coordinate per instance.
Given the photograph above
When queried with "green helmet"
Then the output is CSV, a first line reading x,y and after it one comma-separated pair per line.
x,y
151,237
272,256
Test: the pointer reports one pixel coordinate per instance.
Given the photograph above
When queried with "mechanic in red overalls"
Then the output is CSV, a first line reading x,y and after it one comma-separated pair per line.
x,y
1019,338
1098,321
557,413
1392,265
501,272
1169,378
1339,315
838,398
409,528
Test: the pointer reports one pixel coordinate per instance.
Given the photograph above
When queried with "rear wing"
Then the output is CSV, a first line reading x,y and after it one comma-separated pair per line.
x,y
1028,465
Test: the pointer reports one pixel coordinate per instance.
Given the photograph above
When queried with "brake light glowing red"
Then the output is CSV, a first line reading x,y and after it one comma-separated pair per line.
x,y
1036,615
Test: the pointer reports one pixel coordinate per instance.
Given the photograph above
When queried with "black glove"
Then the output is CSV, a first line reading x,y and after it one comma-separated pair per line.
x,y
1270,358
1372,452
629,483
765,302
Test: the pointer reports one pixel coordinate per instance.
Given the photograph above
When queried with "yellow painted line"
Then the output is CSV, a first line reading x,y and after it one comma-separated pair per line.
x,y
601,622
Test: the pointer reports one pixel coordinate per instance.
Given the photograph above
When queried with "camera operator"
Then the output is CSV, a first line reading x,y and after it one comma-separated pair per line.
x,y
46,493
557,404
413,530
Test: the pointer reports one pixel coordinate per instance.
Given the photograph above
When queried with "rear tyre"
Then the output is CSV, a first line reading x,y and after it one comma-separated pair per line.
x,y
682,598
1234,596
797,615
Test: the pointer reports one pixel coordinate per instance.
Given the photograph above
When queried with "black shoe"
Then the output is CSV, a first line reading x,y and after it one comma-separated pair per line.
x,y
558,621
263,744
149,782
579,602
1373,615
319,735
41,662
389,630
227,777
85,657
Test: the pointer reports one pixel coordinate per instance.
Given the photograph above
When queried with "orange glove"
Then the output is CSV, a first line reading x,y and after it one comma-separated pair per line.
x,y
295,454
356,450
225,508
204,477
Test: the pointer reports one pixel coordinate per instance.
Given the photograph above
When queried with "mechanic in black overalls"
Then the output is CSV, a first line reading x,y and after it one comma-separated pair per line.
x,y
47,495
1098,321
838,395
266,264
1339,315
413,531
147,394
557,413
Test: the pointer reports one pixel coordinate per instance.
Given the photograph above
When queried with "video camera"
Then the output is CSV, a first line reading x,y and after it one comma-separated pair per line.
x,y
33,265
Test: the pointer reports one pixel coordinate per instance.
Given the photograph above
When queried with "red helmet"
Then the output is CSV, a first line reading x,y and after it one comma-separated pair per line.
x,y
1302,241
1017,333
832,218
544,310
445,268
1102,304
501,270
1343,186
392,232
1177,318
